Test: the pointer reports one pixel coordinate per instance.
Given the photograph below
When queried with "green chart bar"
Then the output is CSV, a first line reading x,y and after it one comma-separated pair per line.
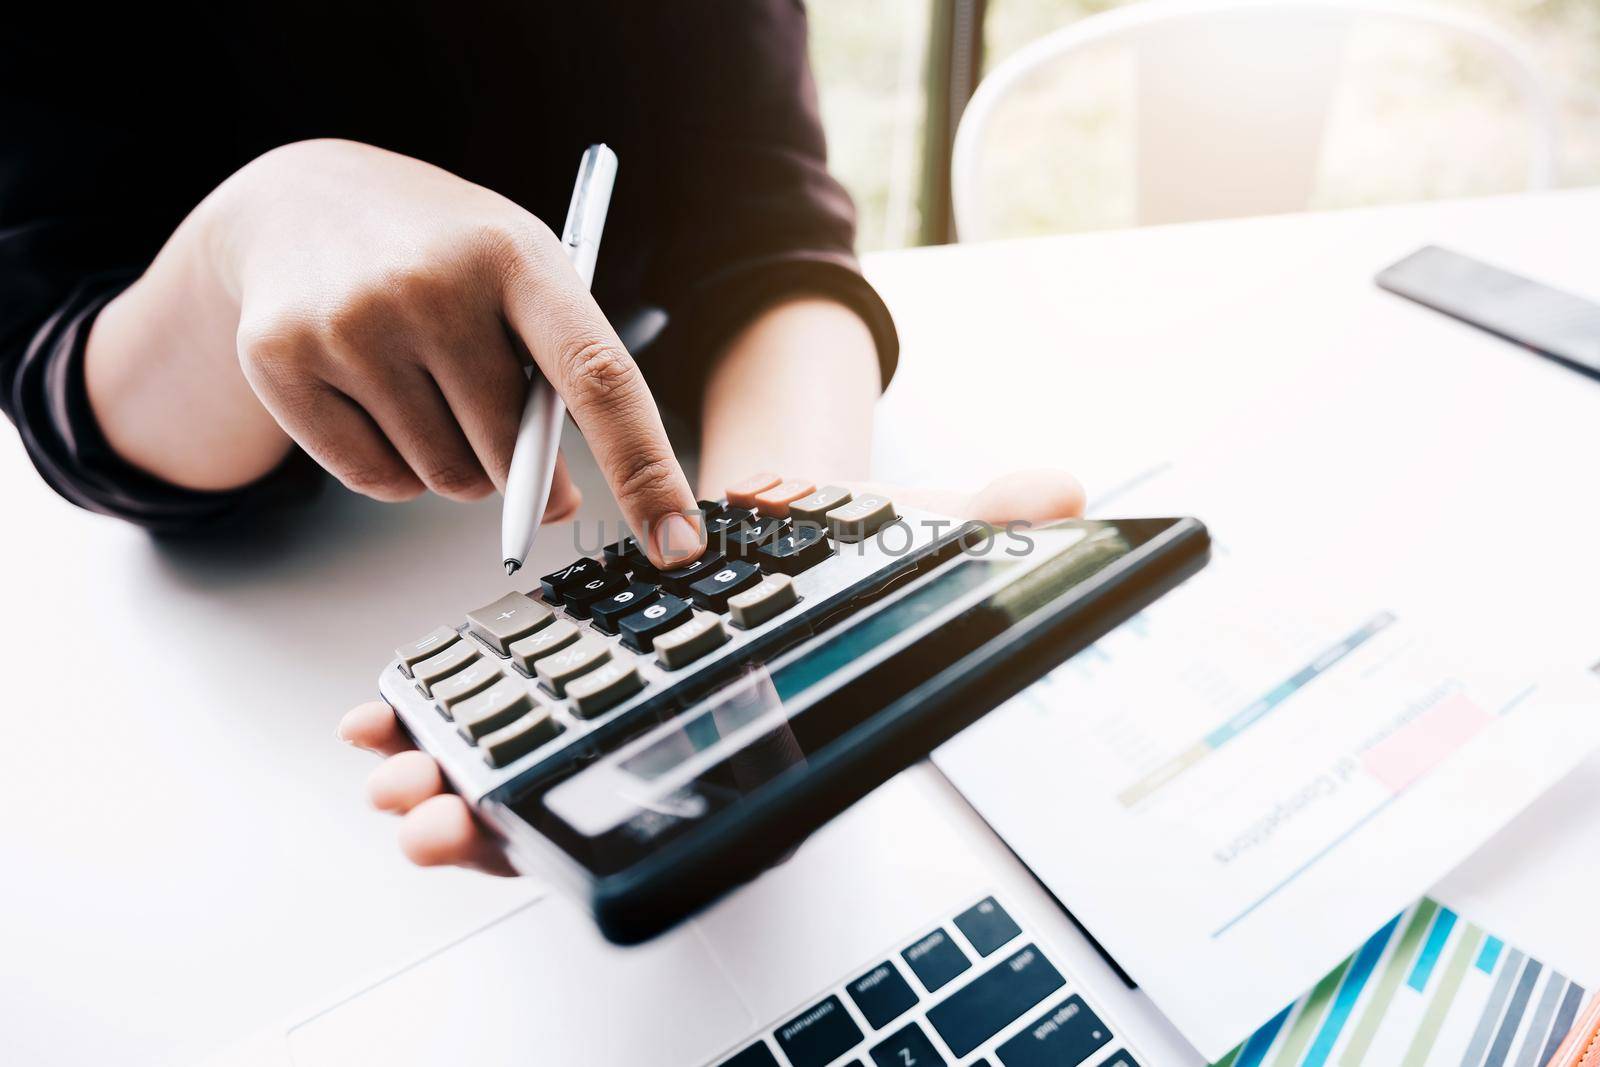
x,y
1388,982
1443,997
1316,1006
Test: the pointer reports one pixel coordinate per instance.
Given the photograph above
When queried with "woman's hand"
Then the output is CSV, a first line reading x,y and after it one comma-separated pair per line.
x,y
436,826
378,312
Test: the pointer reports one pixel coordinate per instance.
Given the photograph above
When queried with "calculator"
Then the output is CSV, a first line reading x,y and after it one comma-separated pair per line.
x,y
652,738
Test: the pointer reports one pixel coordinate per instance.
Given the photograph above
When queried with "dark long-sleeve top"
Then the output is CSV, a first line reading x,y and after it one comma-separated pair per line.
x,y
116,121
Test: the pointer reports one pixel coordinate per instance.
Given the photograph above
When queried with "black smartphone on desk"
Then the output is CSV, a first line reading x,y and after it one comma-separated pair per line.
x,y
1555,324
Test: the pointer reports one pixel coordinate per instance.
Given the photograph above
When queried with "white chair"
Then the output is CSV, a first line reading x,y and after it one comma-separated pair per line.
x,y
1233,99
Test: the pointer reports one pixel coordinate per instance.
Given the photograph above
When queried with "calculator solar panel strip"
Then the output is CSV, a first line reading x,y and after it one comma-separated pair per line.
x,y
853,571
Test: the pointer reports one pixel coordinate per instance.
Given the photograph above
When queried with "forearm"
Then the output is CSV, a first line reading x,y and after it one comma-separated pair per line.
x,y
164,379
794,394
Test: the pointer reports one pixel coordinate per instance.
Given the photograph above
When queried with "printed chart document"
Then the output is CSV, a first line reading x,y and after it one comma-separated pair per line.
x,y
1429,989
1232,791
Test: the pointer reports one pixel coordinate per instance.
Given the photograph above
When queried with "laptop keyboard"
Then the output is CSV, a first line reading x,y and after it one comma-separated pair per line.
x,y
975,991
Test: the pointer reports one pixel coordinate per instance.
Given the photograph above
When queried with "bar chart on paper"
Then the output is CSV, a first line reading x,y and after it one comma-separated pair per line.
x,y
1430,989
1249,753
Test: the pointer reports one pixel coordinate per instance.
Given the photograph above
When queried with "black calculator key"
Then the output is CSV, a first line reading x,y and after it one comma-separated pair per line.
x,y
582,597
620,555
987,926
556,584
606,612
757,1055
725,522
748,537
909,1047
734,576
987,1004
1064,1036
799,548
641,628
819,1035
679,580
710,509
882,995
935,959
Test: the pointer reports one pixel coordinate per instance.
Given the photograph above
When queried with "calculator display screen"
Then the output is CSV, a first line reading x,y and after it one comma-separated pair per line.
x,y
778,719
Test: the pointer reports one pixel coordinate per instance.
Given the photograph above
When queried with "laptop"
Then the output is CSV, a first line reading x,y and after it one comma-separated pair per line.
x,y
903,934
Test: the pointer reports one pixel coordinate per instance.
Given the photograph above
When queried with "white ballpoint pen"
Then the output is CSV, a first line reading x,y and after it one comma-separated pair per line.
x,y
533,461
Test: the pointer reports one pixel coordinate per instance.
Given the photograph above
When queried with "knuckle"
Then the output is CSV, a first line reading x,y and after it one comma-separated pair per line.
x,y
644,474
381,481
459,480
599,375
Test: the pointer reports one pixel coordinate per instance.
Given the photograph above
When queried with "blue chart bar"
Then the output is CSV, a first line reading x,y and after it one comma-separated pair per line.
x,y
1490,955
1344,1003
1431,949
1513,1016
1297,681
1255,1050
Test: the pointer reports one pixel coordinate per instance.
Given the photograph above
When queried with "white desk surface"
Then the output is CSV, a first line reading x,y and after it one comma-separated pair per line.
x,y
187,853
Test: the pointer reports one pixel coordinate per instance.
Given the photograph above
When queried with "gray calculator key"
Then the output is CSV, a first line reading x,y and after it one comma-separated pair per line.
x,y
463,684
689,642
859,519
768,597
436,641
580,657
499,705
507,619
604,687
520,738
551,639
443,665
814,508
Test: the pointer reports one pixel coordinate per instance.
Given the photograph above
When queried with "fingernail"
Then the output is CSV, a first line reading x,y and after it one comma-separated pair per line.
x,y
678,539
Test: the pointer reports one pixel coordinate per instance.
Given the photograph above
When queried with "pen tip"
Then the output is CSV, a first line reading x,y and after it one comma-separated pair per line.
x,y
512,566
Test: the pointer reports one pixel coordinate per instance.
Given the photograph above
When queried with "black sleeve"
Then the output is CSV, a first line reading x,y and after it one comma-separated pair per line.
x,y
83,209
750,214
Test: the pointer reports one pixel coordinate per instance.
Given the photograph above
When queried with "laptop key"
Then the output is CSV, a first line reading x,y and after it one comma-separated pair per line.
x,y
882,995
555,585
545,642
819,1035
984,1006
580,657
687,643
442,665
604,687
521,737
499,705
434,642
1064,1036
734,576
987,926
935,959
606,612
908,1046
507,619
757,1055
640,629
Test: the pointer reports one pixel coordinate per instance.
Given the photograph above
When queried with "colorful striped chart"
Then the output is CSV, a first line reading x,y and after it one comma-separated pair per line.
x,y
1428,990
